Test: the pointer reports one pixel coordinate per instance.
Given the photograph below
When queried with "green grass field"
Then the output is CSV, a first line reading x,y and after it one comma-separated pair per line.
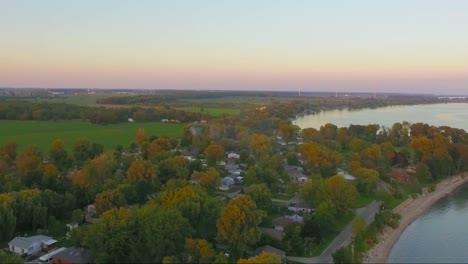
x,y
42,133
212,111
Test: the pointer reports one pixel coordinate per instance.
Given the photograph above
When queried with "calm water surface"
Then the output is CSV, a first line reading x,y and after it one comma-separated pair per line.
x,y
453,115
439,236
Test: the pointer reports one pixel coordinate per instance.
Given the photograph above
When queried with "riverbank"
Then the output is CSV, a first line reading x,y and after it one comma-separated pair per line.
x,y
409,211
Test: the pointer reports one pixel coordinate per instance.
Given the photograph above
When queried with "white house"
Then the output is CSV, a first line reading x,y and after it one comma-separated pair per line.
x,y
30,245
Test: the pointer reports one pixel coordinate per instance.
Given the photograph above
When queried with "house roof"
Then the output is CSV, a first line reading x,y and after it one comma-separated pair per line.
x,y
74,255
270,249
26,242
282,221
273,233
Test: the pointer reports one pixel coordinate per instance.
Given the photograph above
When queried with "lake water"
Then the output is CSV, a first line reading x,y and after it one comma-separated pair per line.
x,y
453,115
439,236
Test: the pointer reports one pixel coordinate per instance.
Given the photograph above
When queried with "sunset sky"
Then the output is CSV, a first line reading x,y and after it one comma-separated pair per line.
x,y
392,46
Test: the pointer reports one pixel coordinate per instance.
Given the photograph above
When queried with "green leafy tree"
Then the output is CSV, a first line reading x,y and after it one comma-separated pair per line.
x,y
261,195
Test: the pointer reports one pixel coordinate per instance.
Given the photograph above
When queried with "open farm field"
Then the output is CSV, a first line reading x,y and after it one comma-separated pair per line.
x,y
212,111
42,133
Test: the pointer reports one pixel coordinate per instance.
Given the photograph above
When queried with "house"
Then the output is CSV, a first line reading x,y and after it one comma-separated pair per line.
x,y
296,174
281,223
345,175
270,249
227,183
400,175
72,255
273,233
233,155
296,204
232,169
297,217
30,245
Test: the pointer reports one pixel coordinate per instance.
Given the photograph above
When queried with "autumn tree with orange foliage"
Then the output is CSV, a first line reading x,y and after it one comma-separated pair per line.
x,y
263,258
238,223
260,146
214,153
141,170
29,164
198,251
209,180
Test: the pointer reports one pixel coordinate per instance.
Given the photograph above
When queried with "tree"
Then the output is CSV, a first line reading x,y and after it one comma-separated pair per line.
x,y
141,170
7,222
173,168
261,195
423,146
8,153
209,180
114,237
326,215
10,258
263,258
335,189
58,153
292,159
367,179
319,158
84,149
311,134
161,224
194,204
140,136
260,145
214,153
29,164
359,226
199,251
238,223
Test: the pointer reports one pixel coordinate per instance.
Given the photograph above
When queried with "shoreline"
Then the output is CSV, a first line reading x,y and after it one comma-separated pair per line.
x,y
409,211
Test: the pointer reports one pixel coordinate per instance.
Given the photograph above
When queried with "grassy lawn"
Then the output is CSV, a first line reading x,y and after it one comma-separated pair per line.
x,y
42,133
364,199
213,111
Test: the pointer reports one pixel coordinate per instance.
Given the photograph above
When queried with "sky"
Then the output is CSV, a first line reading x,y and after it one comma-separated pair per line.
x,y
310,45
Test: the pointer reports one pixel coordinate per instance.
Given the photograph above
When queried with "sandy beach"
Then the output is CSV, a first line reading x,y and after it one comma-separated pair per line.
x,y
409,210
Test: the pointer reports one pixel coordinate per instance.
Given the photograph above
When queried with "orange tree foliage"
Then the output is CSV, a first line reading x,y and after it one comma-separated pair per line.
x,y
209,180
29,164
94,174
260,145
157,148
141,170
8,153
263,258
199,251
214,153
140,136
238,223
319,158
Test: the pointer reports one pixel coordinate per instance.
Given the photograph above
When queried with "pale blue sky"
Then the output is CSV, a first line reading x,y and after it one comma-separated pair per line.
x,y
238,44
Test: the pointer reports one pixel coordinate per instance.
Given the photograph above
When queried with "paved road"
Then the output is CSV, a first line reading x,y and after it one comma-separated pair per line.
x,y
344,238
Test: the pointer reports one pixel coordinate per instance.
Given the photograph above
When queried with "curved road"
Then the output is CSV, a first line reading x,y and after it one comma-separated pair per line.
x,y
344,238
